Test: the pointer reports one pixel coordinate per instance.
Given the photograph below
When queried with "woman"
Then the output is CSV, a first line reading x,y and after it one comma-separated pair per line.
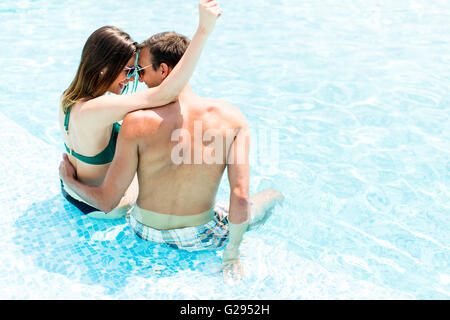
x,y
89,119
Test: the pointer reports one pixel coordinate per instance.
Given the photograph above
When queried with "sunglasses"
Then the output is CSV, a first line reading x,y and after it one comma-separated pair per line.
x,y
130,71
140,70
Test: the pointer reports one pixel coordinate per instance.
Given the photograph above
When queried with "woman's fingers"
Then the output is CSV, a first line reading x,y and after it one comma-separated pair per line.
x,y
211,4
209,11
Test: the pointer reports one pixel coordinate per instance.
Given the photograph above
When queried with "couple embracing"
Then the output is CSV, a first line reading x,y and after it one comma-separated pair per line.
x,y
163,165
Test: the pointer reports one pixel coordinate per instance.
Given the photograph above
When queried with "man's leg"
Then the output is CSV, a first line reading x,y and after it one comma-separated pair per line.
x,y
262,205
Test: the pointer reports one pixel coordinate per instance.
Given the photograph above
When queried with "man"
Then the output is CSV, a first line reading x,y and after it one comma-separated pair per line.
x,y
180,152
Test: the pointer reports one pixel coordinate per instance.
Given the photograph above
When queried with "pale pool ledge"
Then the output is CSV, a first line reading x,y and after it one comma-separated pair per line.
x,y
29,169
28,175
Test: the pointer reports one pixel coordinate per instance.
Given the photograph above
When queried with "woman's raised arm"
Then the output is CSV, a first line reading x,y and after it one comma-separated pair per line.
x,y
108,109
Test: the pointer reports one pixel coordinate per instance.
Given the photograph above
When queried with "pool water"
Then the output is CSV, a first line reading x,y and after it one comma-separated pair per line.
x,y
350,110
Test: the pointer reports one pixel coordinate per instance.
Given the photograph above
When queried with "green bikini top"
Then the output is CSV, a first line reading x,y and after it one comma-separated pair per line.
x,y
104,157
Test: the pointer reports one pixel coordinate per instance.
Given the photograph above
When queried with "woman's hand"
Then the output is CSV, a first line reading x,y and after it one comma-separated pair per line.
x,y
66,170
209,12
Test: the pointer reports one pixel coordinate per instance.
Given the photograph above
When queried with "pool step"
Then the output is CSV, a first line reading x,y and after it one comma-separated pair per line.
x,y
29,168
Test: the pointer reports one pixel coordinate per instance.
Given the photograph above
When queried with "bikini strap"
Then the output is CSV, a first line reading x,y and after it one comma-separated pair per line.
x,y
66,120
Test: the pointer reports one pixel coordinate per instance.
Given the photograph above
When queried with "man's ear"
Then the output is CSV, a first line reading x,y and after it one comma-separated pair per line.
x,y
164,70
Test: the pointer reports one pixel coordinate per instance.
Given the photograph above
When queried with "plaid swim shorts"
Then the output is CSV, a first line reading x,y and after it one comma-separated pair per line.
x,y
209,236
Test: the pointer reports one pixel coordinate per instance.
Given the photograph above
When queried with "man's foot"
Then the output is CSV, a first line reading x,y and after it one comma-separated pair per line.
x,y
262,205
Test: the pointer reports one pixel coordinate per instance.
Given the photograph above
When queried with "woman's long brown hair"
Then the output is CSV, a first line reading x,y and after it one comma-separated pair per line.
x,y
104,56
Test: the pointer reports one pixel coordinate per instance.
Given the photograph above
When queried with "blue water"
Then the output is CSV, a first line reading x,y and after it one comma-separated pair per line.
x,y
353,97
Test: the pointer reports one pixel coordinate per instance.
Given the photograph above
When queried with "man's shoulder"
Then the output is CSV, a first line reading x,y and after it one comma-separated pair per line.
x,y
141,116
225,111
141,122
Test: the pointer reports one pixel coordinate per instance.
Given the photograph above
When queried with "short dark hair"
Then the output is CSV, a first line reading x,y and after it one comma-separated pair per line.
x,y
166,47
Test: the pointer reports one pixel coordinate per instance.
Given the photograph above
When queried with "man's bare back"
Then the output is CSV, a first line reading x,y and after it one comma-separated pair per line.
x,y
189,187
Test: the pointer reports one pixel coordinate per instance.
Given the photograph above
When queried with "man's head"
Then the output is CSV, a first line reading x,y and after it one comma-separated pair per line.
x,y
159,55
